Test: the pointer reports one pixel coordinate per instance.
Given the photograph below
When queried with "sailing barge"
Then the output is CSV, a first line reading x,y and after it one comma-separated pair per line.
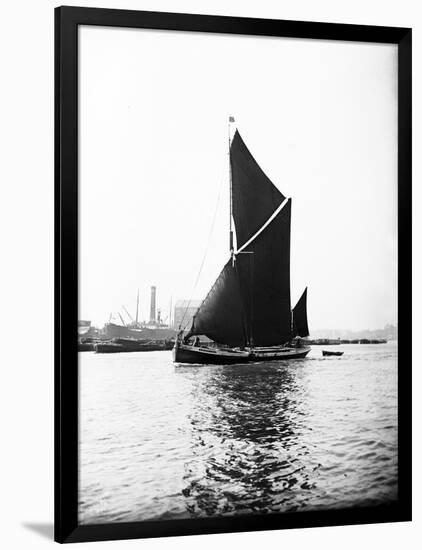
x,y
247,313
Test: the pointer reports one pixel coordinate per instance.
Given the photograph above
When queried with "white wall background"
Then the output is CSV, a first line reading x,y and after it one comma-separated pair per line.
x,y
26,289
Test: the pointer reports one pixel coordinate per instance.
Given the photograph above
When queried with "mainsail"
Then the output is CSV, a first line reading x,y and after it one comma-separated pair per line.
x,y
264,273
221,316
249,304
255,198
300,317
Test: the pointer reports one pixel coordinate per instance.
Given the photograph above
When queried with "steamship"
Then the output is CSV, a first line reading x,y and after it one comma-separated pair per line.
x,y
155,329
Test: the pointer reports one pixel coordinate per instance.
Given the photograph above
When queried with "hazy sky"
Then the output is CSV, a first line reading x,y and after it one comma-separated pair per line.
x,y
318,116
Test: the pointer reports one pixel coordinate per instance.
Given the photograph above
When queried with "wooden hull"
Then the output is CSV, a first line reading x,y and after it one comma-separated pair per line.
x,y
120,346
216,356
332,353
85,346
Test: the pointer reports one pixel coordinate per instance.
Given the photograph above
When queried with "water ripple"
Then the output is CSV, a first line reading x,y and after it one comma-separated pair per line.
x,y
160,442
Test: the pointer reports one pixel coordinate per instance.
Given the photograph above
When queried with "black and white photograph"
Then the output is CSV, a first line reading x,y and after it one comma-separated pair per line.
x,y
238,275
210,278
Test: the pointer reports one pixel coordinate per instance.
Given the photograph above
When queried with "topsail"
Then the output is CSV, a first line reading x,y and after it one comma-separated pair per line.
x,y
255,197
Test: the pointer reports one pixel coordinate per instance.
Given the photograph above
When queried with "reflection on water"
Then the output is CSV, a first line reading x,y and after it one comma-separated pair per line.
x,y
244,421
159,441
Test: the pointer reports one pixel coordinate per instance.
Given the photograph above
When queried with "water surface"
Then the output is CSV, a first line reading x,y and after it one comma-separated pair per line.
x,y
165,442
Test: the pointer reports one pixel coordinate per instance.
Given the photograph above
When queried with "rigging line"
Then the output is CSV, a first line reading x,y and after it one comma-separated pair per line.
x,y
266,224
206,249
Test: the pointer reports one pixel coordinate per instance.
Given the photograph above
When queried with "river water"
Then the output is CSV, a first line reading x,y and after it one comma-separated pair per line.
x,y
159,441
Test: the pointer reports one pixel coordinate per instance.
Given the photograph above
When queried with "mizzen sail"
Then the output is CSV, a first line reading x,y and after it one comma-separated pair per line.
x,y
300,317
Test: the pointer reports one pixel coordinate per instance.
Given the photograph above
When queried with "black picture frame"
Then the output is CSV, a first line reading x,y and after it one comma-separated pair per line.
x,y
67,20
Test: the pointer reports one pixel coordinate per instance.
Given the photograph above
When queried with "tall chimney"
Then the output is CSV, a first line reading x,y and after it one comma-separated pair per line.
x,y
152,310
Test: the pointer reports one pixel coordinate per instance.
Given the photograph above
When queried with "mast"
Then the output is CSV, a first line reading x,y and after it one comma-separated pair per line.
x,y
248,319
137,308
231,119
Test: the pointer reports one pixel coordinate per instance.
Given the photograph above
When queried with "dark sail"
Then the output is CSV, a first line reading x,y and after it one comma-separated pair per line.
x,y
265,282
300,317
221,316
254,196
249,304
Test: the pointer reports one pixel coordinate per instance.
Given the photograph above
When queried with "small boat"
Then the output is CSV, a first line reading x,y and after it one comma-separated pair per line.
x,y
108,347
326,353
124,345
247,313
86,346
